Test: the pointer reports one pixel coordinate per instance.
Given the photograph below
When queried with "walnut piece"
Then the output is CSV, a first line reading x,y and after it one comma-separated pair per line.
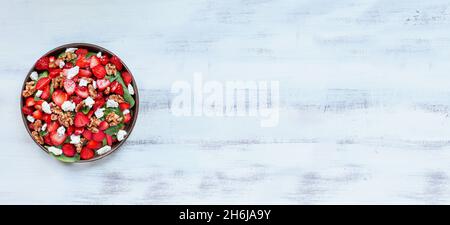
x,y
37,137
92,91
79,146
106,91
58,82
79,106
57,110
93,124
119,99
110,69
29,89
37,125
113,119
65,119
68,56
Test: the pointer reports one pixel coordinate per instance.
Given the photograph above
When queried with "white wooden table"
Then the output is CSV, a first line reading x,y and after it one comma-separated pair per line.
x,y
364,89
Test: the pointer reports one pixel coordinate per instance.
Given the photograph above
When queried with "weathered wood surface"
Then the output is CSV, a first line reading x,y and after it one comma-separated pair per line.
x,y
364,90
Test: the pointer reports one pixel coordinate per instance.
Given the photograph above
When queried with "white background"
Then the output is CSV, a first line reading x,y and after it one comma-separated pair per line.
x,y
363,114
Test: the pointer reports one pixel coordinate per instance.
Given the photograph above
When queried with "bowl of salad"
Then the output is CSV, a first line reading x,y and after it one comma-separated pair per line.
x,y
79,102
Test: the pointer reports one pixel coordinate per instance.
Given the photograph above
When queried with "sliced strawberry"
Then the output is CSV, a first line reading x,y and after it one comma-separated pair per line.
x,y
124,106
29,102
99,136
69,86
126,118
81,120
109,140
53,126
59,97
27,110
116,88
87,134
78,130
51,62
86,153
68,65
81,52
99,102
55,73
126,78
56,138
37,114
82,62
47,118
104,59
93,144
38,104
45,93
116,61
41,83
68,150
42,63
48,140
94,61
103,125
69,130
82,91
76,99
102,84
84,73
99,71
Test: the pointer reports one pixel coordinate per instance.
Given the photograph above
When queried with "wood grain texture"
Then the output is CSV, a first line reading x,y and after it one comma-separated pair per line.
x,y
363,114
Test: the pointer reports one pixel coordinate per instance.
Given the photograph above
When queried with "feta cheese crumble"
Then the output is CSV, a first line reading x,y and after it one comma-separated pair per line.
x,y
99,112
130,89
103,149
46,107
121,135
61,64
126,111
61,130
94,84
111,103
68,106
71,49
72,72
44,127
38,93
83,82
89,102
54,150
30,118
34,75
99,54
75,139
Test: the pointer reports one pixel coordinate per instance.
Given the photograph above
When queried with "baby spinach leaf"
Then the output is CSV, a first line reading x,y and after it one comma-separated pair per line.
x,y
114,129
66,159
126,95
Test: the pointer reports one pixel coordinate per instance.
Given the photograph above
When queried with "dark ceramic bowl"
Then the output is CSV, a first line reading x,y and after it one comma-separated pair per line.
x,y
92,48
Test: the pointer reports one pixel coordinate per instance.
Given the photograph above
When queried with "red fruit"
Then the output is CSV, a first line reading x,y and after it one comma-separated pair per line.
x,y
116,61
104,59
81,120
54,73
103,125
86,153
82,62
27,110
109,140
68,65
37,114
116,88
42,63
124,106
47,118
93,144
82,91
84,73
94,61
51,62
102,84
99,71
29,102
87,134
46,93
69,130
126,78
99,136
90,113
99,102
127,118
59,97
68,150
76,99
81,52
57,139
41,83
78,130
48,140
38,104
69,86
53,126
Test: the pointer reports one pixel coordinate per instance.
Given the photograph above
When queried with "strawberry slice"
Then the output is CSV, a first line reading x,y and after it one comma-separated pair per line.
x,y
48,140
51,62
56,138
93,144
27,110
81,52
53,126
29,102
103,125
99,136
42,63
102,84
82,62
59,97
126,118
78,130
81,120
82,91
126,77
99,71
87,134
86,153
37,114
116,61
124,106
116,88
46,93
69,86
84,73
68,65
76,99
55,73
68,150
69,130
109,140
44,81
104,60
94,61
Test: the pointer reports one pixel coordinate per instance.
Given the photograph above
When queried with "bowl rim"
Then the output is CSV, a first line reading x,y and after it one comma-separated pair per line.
x,y
130,127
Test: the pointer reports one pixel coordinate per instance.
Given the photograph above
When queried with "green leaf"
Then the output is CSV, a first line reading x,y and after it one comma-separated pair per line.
x,y
114,129
104,142
43,74
43,133
126,95
111,78
51,88
66,159
85,109
110,110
